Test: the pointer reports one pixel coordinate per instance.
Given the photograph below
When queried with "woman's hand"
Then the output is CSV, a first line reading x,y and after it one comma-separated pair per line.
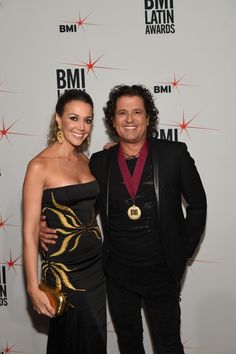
x,y
108,145
41,303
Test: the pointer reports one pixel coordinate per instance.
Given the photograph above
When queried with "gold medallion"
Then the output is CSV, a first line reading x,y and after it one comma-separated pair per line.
x,y
134,212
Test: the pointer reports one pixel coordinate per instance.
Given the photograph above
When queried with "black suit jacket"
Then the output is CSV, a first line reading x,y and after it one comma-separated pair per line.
x,y
175,176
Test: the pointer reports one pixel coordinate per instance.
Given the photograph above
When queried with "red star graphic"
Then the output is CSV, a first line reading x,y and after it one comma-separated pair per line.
x,y
5,91
175,83
81,22
4,132
91,64
3,223
205,261
8,349
184,126
11,263
192,261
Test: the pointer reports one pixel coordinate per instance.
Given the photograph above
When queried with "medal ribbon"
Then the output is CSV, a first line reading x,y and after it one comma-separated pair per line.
x,y
132,182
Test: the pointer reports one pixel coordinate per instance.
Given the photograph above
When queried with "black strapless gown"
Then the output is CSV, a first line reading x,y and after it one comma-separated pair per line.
x,y
73,264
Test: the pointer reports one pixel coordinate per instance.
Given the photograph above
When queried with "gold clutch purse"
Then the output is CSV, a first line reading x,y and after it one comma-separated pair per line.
x,y
57,298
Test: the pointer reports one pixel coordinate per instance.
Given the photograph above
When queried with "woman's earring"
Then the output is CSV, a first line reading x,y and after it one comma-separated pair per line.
x,y
60,136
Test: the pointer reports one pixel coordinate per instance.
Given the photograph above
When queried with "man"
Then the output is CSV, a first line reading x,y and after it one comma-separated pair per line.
x,y
147,238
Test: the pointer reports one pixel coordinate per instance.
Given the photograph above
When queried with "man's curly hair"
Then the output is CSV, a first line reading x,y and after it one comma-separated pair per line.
x,y
134,90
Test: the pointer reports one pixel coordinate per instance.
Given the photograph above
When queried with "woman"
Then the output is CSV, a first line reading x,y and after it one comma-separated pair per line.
x,y
59,184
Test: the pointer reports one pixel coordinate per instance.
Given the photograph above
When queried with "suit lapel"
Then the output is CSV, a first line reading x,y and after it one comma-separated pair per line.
x,y
155,163
110,161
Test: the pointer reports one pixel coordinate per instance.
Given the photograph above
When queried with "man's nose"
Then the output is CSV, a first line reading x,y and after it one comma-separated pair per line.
x,y
129,117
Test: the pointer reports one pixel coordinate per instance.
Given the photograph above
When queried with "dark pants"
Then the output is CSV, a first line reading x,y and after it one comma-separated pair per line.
x,y
128,288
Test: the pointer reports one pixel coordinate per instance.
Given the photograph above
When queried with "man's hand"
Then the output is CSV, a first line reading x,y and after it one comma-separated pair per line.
x,y
47,236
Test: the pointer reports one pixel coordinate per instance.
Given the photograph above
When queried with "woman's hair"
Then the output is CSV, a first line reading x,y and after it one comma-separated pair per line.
x,y
134,90
68,96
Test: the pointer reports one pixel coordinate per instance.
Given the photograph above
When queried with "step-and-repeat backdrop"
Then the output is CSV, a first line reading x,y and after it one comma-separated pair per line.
x,y
184,52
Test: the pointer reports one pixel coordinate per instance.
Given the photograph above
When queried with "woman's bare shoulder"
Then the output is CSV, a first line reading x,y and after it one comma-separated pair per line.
x,y
40,161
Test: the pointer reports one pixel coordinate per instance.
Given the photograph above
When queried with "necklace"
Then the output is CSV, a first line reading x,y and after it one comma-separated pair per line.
x,y
131,157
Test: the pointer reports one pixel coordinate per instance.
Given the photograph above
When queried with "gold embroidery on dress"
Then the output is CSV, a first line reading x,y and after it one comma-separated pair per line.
x,y
59,271
73,230
76,228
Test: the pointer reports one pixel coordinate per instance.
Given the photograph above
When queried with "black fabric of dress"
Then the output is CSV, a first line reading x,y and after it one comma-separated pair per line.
x,y
73,264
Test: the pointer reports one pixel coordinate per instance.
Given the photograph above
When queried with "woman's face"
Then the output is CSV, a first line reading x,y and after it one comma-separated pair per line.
x,y
76,121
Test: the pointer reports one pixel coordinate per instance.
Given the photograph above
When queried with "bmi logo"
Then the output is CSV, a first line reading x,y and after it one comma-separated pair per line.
x,y
168,134
168,86
159,16
3,286
68,79
75,25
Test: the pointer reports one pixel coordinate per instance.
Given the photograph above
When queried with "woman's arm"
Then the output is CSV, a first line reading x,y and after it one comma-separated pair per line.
x,y
32,199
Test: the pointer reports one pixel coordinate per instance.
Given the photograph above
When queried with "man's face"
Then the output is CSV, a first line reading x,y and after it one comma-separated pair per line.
x,y
130,119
